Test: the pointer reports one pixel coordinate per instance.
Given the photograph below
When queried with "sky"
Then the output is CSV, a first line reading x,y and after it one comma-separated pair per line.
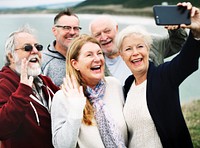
x,y
28,3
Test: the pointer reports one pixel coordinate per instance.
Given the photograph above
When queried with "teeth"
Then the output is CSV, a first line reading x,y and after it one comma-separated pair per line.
x,y
105,43
70,38
136,60
33,60
95,67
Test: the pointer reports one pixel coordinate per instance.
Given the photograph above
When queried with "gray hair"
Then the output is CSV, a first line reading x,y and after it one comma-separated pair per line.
x,y
10,44
103,17
133,30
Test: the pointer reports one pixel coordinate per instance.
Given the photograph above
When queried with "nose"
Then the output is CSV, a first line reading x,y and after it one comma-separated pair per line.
x,y
96,58
103,36
34,50
134,51
72,31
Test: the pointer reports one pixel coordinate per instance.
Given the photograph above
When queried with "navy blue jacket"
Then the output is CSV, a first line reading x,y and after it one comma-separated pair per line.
x,y
163,95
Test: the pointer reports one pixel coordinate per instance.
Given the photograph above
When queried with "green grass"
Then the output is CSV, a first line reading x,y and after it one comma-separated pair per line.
x,y
191,113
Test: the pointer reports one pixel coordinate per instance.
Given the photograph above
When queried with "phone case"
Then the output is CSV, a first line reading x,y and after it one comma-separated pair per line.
x,y
171,15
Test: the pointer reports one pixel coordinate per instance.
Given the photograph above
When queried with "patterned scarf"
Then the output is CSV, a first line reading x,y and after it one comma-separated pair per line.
x,y
109,132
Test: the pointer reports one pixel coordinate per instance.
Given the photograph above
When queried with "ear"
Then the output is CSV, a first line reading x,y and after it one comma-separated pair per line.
x,y
117,28
10,57
75,64
54,30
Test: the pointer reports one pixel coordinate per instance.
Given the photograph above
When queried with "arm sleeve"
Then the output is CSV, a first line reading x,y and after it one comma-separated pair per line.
x,y
12,108
66,119
185,63
166,46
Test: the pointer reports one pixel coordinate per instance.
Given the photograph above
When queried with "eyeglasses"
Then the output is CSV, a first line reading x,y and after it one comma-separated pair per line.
x,y
68,28
29,47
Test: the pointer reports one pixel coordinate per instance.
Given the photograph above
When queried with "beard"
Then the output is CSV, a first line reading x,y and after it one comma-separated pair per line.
x,y
33,69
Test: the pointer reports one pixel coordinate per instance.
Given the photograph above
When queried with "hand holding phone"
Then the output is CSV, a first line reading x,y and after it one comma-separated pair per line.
x,y
171,15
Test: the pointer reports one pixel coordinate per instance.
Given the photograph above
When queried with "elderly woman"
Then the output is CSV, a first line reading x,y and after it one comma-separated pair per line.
x,y
88,111
152,109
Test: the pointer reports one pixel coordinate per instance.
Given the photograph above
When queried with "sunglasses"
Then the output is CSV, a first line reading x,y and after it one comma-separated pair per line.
x,y
29,47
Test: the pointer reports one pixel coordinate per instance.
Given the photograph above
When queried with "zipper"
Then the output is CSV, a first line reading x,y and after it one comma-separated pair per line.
x,y
36,114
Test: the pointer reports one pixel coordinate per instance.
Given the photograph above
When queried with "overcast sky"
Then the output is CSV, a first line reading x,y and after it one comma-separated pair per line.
x,y
27,3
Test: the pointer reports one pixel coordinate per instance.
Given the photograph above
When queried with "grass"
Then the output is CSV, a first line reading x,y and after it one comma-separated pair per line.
x,y
191,113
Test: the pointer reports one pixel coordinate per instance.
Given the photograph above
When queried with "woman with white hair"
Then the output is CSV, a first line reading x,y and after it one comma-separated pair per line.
x,y
152,109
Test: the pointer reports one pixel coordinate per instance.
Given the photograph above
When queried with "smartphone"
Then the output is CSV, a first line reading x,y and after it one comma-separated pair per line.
x,y
171,15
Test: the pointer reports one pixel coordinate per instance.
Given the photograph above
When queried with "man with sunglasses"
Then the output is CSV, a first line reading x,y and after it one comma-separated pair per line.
x,y
25,94
65,29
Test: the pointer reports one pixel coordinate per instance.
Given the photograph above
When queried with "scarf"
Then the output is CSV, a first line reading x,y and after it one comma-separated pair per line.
x,y
108,130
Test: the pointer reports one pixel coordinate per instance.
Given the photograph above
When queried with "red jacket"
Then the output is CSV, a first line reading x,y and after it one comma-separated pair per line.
x,y
24,123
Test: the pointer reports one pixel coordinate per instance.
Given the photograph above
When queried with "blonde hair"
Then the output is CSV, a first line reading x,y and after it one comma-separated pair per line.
x,y
73,53
133,30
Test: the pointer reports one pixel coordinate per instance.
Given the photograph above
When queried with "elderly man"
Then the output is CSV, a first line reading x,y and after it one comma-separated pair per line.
x,y
65,29
104,28
25,94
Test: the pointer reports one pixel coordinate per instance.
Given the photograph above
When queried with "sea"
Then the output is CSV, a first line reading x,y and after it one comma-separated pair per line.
x,y
42,23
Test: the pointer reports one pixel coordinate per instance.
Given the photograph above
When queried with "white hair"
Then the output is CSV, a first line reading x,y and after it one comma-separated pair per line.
x,y
104,17
133,30
11,41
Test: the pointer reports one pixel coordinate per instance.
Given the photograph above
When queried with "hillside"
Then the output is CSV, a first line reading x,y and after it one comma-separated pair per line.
x,y
133,3
123,7
119,7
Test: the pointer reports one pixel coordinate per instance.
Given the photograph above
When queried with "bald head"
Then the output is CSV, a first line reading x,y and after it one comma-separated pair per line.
x,y
102,19
104,28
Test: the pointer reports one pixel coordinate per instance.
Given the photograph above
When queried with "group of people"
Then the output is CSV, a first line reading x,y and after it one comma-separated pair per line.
x,y
106,89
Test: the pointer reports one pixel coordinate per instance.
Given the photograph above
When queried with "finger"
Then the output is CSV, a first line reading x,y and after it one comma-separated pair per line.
x,y
30,81
172,27
24,75
194,10
63,89
185,4
81,91
23,68
64,83
68,83
74,82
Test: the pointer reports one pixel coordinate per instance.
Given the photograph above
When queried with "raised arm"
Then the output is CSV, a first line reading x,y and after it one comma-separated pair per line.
x,y
166,46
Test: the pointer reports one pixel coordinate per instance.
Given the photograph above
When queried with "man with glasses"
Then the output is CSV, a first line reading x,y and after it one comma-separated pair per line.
x,y
65,29
26,95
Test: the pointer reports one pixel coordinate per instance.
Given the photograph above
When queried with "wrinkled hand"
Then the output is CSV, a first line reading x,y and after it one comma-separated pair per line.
x,y
24,78
195,19
71,89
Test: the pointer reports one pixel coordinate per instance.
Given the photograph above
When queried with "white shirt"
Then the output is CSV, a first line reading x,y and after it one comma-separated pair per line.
x,y
142,131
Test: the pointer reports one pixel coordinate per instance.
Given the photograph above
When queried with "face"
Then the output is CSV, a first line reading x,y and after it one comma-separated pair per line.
x,y
33,57
64,35
135,53
105,31
90,63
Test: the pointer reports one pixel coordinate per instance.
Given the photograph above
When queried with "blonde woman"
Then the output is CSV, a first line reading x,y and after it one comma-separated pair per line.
x,y
87,112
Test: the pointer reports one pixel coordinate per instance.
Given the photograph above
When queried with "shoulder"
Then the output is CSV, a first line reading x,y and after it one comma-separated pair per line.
x,y
58,98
